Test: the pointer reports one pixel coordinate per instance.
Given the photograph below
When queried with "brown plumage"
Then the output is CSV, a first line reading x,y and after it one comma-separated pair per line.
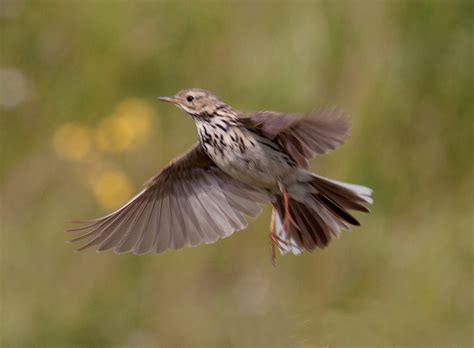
x,y
302,136
242,160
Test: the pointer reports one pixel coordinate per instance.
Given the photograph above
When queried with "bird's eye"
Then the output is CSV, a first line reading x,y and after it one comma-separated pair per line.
x,y
189,98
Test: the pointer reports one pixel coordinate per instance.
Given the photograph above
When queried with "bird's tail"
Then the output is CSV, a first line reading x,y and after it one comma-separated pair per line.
x,y
318,210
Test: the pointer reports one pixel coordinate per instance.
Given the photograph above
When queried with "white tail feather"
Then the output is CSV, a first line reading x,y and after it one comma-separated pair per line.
x,y
362,191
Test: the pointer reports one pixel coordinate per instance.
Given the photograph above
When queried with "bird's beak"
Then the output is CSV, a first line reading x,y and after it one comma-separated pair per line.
x,y
171,100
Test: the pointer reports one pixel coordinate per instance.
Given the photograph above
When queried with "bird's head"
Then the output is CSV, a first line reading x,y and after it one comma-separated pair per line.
x,y
196,102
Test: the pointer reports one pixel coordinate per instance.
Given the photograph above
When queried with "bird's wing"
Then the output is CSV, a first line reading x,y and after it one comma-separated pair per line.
x,y
302,135
188,203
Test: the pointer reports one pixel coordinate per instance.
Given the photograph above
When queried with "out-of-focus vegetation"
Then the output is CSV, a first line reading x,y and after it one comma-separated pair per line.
x,y
81,130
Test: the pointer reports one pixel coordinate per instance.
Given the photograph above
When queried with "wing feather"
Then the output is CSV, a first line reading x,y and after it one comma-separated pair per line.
x,y
193,231
199,210
302,135
189,203
179,240
123,245
164,232
143,243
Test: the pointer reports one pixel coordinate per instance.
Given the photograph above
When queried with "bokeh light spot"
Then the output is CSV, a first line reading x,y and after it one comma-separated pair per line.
x,y
112,188
127,128
13,87
72,141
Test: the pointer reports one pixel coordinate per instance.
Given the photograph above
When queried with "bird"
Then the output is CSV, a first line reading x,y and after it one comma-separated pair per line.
x,y
241,161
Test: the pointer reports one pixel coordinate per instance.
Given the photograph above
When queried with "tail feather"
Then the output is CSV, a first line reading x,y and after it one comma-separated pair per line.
x,y
304,230
302,219
322,213
337,209
361,193
349,196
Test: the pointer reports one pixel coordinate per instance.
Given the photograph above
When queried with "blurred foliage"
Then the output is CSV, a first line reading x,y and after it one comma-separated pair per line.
x,y
81,130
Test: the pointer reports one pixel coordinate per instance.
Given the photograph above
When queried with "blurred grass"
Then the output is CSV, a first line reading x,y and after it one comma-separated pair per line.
x,y
402,69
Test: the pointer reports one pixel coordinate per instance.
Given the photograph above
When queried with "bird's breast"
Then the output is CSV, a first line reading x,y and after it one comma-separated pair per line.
x,y
246,155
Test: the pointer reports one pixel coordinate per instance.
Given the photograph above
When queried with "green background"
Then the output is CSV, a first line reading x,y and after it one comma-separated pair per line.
x,y
401,69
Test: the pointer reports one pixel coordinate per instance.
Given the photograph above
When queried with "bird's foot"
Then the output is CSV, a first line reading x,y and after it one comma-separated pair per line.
x,y
287,224
274,242
272,249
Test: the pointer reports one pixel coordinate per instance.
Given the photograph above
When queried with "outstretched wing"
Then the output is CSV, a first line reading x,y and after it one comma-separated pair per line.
x,y
302,136
189,203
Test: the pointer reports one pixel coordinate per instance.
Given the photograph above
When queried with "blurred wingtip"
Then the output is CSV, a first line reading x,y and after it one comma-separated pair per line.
x,y
82,248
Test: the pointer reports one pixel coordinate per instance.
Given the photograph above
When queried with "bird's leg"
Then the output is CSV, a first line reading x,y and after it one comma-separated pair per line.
x,y
287,219
272,236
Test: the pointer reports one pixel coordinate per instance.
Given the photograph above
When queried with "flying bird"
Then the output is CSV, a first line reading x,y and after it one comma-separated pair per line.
x,y
241,161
